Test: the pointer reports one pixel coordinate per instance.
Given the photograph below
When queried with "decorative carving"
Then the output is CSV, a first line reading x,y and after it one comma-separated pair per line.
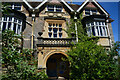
x,y
50,14
40,33
55,41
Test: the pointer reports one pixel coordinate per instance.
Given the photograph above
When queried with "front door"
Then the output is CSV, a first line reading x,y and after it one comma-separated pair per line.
x,y
52,67
56,67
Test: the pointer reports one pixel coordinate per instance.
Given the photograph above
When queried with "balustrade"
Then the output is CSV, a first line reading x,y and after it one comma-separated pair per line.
x,y
55,41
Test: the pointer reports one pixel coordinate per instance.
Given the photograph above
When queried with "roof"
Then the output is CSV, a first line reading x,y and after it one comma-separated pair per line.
x,y
21,0
74,6
110,19
36,4
43,2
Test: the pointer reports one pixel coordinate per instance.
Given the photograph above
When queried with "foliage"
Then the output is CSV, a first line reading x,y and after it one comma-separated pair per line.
x,y
114,53
24,71
119,67
90,61
81,31
4,8
10,47
19,64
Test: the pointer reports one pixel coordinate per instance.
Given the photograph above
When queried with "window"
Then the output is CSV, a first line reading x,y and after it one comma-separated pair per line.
x,y
11,23
93,30
54,8
50,8
54,30
87,12
16,6
96,29
90,12
58,8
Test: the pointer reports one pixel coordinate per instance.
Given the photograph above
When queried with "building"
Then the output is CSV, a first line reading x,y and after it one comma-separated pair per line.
x,y
41,24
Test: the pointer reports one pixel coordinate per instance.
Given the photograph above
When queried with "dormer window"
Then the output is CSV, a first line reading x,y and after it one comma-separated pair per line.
x,y
90,12
16,6
54,8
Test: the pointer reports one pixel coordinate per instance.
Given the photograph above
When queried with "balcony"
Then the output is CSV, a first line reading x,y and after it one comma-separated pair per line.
x,y
55,42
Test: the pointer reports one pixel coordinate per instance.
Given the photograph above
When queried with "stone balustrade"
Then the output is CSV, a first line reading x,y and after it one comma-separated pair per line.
x,y
44,42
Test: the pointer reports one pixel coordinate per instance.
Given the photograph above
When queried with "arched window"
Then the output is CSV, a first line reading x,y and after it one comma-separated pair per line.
x,y
97,29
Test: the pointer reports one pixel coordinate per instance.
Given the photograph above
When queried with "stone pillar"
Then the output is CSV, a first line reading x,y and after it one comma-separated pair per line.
x,y
40,58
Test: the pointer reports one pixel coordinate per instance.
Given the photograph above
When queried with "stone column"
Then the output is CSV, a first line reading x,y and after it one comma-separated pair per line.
x,y
40,58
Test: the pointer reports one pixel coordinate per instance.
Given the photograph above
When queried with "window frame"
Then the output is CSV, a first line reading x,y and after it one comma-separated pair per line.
x,y
90,11
55,8
15,6
58,32
11,20
98,28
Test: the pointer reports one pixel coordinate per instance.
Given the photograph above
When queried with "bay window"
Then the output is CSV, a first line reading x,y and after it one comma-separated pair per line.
x,y
97,29
11,23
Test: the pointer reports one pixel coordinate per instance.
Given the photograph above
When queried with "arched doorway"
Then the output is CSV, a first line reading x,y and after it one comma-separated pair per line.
x,y
57,67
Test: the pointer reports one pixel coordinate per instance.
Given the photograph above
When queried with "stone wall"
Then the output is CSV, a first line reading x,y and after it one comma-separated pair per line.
x,y
45,52
104,41
40,25
111,32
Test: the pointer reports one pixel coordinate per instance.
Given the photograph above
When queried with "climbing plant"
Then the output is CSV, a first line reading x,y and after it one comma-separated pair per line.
x,y
90,61
18,63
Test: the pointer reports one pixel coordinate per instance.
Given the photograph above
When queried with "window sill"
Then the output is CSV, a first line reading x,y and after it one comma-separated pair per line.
x,y
102,36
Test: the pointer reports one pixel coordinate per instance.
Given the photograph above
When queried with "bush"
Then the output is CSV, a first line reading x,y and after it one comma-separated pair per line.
x,y
19,64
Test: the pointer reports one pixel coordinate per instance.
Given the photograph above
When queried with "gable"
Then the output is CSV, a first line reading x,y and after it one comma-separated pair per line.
x,y
54,1
45,1
92,4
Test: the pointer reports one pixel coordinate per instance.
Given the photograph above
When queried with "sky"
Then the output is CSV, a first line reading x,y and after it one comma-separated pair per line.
x,y
112,9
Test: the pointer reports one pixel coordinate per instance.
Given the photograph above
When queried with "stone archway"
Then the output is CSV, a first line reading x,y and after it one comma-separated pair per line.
x,y
56,66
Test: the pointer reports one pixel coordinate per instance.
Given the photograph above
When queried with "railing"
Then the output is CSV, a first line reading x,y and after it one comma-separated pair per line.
x,y
44,42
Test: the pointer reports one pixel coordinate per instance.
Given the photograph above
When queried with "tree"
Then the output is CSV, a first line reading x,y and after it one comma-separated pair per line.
x,y
19,63
89,61
114,53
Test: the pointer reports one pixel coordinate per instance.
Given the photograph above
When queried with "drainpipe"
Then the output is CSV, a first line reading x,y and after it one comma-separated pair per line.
x,y
75,18
33,20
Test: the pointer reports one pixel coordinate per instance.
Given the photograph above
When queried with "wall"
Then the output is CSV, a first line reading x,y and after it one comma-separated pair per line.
x,y
45,52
